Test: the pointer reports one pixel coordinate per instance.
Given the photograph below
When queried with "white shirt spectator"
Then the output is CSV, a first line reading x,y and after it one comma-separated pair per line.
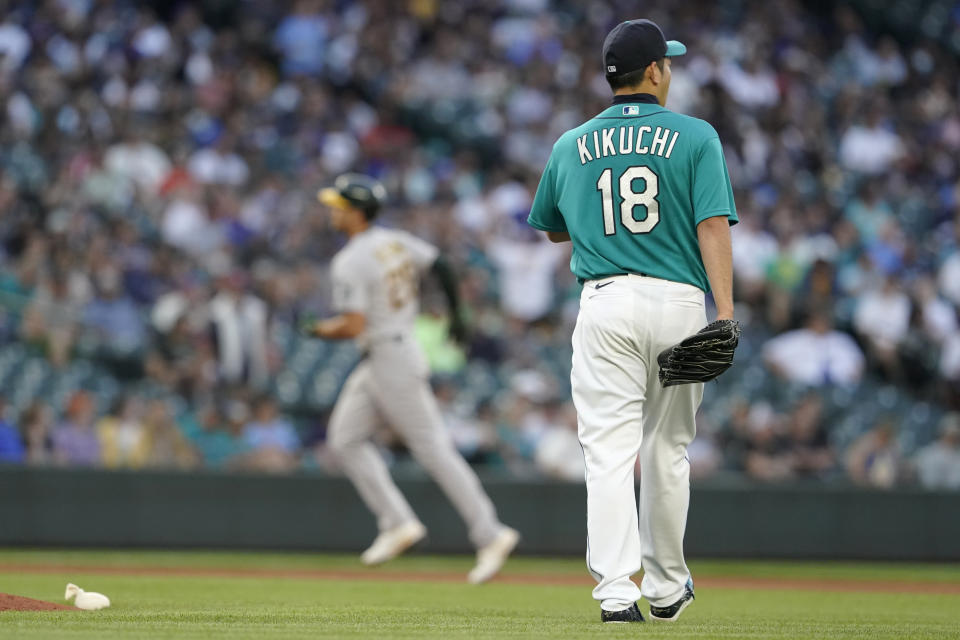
x,y
559,455
144,163
14,46
890,67
187,227
883,316
684,91
949,278
240,327
21,114
938,463
212,166
145,96
939,319
950,358
753,250
869,150
815,359
526,271
339,151
510,198
753,88
153,41
64,53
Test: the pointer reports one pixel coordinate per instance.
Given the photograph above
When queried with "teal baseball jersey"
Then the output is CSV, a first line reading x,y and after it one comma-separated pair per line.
x,y
630,186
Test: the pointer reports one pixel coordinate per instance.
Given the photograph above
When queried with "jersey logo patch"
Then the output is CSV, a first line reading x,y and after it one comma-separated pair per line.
x,y
631,110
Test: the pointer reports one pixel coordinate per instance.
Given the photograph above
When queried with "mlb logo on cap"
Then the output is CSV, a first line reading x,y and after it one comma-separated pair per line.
x,y
631,110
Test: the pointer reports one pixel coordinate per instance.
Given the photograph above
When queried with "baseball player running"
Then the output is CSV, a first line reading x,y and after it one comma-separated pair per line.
x,y
644,196
375,290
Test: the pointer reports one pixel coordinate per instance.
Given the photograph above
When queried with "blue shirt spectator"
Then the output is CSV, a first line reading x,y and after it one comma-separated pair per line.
x,y
300,38
11,446
75,441
116,319
269,430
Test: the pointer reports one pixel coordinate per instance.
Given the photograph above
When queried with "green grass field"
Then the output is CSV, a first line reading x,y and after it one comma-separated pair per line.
x,y
248,595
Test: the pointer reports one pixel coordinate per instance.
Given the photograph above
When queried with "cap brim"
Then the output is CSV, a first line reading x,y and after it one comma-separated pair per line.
x,y
675,48
332,198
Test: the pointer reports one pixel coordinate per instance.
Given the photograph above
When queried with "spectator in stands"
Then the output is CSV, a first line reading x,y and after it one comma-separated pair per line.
x,y
238,320
11,446
51,320
882,318
872,146
186,222
75,440
874,459
868,213
808,440
734,435
271,439
138,159
752,84
123,436
530,411
819,288
219,163
474,438
219,443
754,249
768,456
949,369
816,355
36,428
938,317
948,276
113,317
558,454
937,465
182,359
167,447
704,453
300,39
526,262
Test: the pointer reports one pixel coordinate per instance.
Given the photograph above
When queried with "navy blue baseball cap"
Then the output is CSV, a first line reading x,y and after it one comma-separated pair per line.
x,y
634,44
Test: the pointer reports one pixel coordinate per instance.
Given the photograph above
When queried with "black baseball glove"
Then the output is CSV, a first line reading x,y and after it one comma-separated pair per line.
x,y
701,357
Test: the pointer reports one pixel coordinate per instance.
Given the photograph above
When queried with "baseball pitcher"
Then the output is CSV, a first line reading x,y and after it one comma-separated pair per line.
x,y
644,196
375,289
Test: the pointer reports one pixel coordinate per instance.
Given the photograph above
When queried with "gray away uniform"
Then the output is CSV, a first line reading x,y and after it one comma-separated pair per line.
x,y
377,274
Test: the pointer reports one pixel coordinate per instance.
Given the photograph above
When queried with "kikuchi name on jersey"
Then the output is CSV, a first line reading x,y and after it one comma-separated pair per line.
x,y
644,140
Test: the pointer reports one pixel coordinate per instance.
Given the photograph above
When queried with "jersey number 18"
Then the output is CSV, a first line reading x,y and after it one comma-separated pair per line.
x,y
631,199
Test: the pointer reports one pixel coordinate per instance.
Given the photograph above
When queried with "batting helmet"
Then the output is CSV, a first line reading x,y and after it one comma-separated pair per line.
x,y
355,191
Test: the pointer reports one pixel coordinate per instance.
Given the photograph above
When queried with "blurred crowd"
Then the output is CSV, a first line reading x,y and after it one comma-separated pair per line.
x,y
158,164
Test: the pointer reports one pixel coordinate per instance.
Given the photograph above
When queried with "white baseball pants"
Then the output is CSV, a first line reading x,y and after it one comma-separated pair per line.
x,y
624,413
391,385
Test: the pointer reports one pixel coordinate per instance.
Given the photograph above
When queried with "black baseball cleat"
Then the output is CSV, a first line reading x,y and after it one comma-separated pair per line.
x,y
672,612
630,614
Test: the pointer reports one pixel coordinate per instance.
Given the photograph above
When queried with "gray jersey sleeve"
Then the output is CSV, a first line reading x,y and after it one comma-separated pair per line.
x,y
351,286
421,252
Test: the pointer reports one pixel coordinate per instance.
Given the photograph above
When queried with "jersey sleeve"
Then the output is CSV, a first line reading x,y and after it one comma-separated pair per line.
x,y
351,291
712,191
421,252
544,214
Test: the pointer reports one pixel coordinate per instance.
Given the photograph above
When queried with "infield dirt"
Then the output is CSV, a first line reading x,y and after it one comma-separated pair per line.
x,y
9,602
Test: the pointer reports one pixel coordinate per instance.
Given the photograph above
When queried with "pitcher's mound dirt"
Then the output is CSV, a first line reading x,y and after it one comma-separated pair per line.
x,y
19,603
